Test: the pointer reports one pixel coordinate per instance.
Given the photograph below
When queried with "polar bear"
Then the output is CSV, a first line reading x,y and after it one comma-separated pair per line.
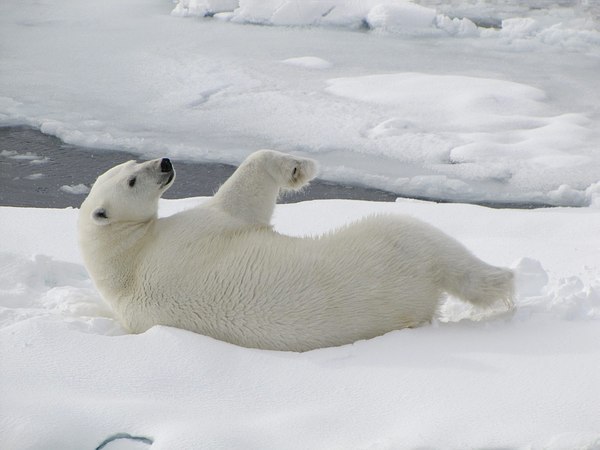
x,y
221,270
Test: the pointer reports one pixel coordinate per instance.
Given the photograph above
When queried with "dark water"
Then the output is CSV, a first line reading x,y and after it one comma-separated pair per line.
x,y
34,167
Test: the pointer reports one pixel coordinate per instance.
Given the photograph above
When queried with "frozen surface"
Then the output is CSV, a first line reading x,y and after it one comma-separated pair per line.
x,y
459,100
70,378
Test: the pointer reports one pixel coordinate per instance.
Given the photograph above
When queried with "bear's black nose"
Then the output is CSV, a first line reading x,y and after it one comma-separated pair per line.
x,y
165,165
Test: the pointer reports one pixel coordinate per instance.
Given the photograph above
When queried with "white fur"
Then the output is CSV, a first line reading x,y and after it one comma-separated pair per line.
x,y
220,269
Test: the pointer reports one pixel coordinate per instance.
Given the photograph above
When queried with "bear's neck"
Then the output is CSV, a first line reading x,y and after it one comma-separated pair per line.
x,y
112,257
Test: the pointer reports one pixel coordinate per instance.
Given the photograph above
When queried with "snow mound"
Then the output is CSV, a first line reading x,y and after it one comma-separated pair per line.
x,y
43,288
203,7
446,91
572,29
71,378
77,189
565,194
525,32
309,62
400,17
390,16
471,129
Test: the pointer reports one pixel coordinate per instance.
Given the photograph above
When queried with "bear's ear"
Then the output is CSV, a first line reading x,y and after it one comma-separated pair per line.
x,y
100,217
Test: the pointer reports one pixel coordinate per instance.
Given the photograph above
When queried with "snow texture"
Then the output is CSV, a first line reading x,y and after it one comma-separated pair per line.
x,y
309,62
468,101
71,378
462,100
77,189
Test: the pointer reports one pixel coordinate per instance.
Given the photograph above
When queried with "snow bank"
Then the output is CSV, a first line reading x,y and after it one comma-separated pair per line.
x,y
571,28
388,15
477,128
203,7
70,377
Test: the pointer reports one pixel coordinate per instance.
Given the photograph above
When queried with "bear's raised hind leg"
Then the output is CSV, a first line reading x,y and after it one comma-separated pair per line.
x,y
251,192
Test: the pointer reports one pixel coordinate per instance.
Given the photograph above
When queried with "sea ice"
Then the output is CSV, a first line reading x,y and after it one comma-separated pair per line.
x,y
469,107
309,62
76,189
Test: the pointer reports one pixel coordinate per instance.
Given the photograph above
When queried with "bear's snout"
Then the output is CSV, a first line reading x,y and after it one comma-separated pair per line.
x,y
165,165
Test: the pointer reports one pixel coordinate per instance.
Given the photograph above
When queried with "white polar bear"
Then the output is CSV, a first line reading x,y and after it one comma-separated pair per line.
x,y
222,271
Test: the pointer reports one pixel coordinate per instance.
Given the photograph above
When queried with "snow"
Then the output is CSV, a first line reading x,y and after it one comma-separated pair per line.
x,y
27,156
309,62
461,100
34,176
71,378
501,121
77,189
478,102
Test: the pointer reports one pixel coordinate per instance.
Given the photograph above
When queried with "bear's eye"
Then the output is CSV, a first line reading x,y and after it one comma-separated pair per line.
x,y
132,181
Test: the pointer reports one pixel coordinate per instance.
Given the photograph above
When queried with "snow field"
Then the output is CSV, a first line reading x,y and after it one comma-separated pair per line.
x,y
71,378
434,105
471,101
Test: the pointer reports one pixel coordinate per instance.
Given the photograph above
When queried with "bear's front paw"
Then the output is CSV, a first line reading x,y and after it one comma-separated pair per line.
x,y
289,172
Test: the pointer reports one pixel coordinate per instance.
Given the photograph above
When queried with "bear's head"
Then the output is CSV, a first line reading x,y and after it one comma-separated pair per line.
x,y
128,192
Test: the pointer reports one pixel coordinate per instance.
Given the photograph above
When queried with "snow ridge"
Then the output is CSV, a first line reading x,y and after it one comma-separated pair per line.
x,y
577,32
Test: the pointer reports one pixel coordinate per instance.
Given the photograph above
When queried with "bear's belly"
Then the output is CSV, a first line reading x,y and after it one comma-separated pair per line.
x,y
284,294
